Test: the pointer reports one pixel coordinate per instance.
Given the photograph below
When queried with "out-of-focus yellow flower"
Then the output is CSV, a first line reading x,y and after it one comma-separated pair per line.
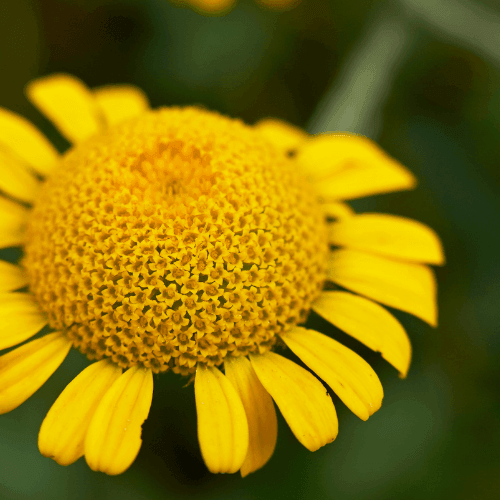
x,y
221,7
182,240
217,7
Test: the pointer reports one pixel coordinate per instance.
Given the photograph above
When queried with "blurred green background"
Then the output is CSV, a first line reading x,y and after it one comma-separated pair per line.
x,y
423,78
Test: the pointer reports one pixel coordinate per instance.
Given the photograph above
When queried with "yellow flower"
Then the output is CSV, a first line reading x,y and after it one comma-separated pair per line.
x,y
221,7
181,240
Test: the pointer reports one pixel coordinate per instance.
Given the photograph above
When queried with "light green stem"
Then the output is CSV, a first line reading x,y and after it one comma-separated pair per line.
x,y
356,100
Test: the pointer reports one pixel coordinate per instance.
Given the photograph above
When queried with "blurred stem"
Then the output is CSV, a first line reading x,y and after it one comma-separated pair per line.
x,y
356,100
471,25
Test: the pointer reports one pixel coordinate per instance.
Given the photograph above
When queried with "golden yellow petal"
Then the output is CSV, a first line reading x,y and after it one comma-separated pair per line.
x,y
63,431
349,375
337,210
12,277
120,102
25,369
11,210
260,412
369,323
69,104
301,398
13,218
26,142
280,133
405,286
20,318
10,238
222,423
348,166
388,235
114,435
16,180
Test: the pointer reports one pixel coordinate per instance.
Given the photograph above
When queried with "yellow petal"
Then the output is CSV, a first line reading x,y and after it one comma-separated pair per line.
x,y
337,210
63,430
120,102
114,435
301,397
20,318
20,137
369,323
409,287
69,104
349,375
10,238
25,369
222,423
388,235
260,412
12,277
13,218
15,180
348,166
280,133
12,210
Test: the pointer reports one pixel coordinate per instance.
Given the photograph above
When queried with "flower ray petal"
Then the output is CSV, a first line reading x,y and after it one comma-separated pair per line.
x,y
12,277
26,142
390,236
13,219
120,102
283,135
301,398
222,423
348,166
337,210
69,104
114,435
20,318
406,286
63,431
369,323
16,180
25,369
260,412
349,375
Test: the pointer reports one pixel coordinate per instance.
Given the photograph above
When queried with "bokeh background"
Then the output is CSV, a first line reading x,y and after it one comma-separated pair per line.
x,y
422,77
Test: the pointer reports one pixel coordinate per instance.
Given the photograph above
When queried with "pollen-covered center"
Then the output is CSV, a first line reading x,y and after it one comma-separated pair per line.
x,y
175,239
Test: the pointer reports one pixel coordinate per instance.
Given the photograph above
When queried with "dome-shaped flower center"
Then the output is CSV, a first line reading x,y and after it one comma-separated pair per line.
x,y
177,238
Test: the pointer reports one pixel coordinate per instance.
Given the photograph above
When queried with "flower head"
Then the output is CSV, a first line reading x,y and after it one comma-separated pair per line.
x,y
181,247
182,240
